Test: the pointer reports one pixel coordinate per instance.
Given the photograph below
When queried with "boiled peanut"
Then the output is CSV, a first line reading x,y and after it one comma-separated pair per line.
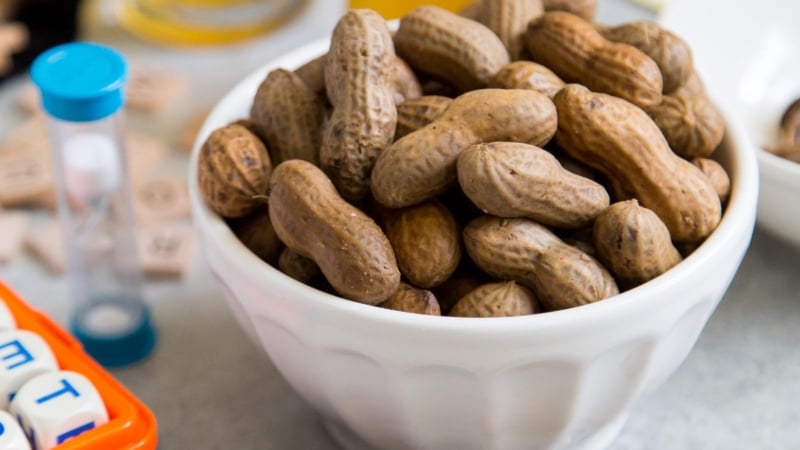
x,y
311,218
583,8
560,275
527,75
358,79
509,20
460,284
504,299
258,235
690,122
717,175
573,49
442,44
670,53
634,243
426,241
233,171
297,266
416,113
471,10
423,164
289,116
313,74
620,140
413,300
508,179
406,85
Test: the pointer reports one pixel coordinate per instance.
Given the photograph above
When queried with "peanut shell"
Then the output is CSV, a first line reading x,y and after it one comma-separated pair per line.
x,y
509,179
460,51
413,300
504,299
619,139
311,218
233,171
634,243
426,241
289,116
561,276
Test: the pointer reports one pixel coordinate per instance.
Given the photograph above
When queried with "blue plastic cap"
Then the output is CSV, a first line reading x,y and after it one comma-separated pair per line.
x,y
80,81
122,349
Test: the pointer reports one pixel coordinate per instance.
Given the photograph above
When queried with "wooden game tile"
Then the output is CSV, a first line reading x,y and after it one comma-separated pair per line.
x,y
190,131
24,177
45,244
28,137
166,250
152,89
160,199
13,225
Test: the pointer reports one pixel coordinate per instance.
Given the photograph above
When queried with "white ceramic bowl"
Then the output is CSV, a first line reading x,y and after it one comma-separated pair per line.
x,y
749,55
386,379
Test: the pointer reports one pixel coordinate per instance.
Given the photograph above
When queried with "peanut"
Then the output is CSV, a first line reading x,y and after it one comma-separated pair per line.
x,y
311,218
426,241
717,175
233,171
504,299
358,77
509,20
423,164
508,179
620,140
527,75
406,85
471,10
413,300
560,275
460,284
297,266
582,8
634,243
442,44
313,74
289,116
690,122
573,49
258,235
670,53
417,113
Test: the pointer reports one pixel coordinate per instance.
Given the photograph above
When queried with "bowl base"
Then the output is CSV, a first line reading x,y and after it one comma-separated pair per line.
x,y
346,439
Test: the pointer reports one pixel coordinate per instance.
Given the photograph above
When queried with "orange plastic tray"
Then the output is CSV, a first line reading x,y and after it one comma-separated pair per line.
x,y
131,424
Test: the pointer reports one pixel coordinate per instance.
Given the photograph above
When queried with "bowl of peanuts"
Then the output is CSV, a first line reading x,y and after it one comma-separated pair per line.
x,y
441,243
757,73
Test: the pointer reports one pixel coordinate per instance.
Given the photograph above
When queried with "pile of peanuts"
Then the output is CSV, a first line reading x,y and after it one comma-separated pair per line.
x,y
511,159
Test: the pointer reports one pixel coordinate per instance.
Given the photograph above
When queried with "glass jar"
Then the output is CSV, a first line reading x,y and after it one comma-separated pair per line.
x,y
204,22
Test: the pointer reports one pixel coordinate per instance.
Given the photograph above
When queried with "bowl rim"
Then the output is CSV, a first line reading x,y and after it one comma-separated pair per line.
x,y
738,216
778,169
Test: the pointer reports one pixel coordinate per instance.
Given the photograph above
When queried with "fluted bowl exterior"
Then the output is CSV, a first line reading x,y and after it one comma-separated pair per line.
x,y
392,380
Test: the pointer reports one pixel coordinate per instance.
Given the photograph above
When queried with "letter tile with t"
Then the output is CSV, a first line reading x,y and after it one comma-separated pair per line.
x,y
57,406
23,355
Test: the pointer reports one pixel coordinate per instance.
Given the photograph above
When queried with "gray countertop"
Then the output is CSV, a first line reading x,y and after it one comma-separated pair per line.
x,y
211,388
